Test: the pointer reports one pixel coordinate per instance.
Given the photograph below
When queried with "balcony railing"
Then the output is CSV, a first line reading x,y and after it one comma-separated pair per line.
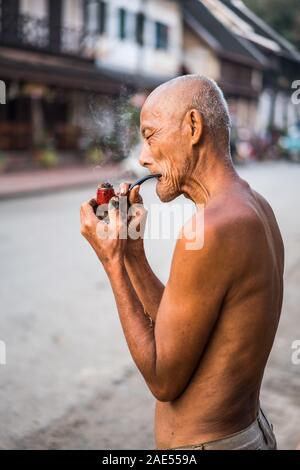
x,y
34,33
76,41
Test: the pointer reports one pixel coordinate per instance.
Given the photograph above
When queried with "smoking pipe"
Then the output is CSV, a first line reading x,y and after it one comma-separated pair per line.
x,y
142,180
106,191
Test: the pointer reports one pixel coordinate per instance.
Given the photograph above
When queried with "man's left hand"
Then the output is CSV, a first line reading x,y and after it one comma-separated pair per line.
x,y
107,239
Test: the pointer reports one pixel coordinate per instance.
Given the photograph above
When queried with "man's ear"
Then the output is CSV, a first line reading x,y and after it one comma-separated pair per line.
x,y
195,123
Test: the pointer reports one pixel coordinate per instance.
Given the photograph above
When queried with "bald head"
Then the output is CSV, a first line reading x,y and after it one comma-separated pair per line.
x,y
186,127
177,96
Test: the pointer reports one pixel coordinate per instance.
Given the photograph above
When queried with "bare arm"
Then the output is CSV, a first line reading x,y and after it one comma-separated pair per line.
x,y
148,287
168,352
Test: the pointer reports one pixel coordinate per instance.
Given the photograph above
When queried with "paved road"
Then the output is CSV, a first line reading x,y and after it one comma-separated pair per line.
x,y
69,381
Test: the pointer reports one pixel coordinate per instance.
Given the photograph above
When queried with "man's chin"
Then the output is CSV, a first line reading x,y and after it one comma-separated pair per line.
x,y
165,196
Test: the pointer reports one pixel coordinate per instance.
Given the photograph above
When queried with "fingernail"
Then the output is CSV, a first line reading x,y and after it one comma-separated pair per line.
x,y
114,203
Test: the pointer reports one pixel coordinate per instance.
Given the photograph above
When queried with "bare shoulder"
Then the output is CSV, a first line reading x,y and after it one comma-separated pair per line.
x,y
230,230
241,216
223,222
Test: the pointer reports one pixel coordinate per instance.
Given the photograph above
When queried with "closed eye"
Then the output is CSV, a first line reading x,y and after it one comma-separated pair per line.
x,y
148,138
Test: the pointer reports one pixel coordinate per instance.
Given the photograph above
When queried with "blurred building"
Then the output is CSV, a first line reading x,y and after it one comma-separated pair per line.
x,y
66,63
141,37
253,64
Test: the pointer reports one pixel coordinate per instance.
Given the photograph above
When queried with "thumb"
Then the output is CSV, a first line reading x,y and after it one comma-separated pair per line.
x,y
134,196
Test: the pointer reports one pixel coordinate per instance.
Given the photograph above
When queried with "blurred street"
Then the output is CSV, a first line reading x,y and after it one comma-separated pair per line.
x,y
69,381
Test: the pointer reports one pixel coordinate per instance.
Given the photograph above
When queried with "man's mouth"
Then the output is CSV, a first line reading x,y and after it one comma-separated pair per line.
x,y
142,180
158,176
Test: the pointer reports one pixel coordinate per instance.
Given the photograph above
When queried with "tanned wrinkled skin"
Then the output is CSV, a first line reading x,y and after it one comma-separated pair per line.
x,y
214,323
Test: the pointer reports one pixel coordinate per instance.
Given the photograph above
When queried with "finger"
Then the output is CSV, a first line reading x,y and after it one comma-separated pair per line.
x,y
102,230
93,204
137,213
87,212
88,219
134,196
117,219
87,208
113,204
113,209
137,222
124,189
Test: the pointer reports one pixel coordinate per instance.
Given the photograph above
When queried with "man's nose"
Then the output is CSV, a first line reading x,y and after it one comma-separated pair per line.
x,y
146,158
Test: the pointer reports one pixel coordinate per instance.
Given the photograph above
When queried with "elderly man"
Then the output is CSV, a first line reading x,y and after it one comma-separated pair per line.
x,y
212,327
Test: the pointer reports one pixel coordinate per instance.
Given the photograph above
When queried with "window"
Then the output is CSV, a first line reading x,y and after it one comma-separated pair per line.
x,y
91,16
161,35
140,27
36,9
95,16
102,17
122,23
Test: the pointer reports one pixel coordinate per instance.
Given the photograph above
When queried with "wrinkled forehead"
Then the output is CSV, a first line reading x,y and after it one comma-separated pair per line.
x,y
150,115
162,108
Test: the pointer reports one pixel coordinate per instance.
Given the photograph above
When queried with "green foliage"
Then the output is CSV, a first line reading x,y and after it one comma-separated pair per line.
x,y
283,16
94,155
47,157
3,162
